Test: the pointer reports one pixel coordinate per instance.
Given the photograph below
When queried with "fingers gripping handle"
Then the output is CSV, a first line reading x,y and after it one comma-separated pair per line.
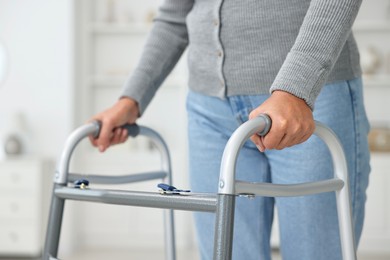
x,y
132,129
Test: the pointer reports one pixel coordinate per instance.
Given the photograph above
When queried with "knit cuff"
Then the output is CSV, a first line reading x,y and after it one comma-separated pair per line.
x,y
301,76
139,88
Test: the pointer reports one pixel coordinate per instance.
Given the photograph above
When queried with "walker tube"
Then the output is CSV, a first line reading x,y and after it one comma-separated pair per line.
x,y
229,186
70,144
53,230
344,210
61,176
232,148
224,219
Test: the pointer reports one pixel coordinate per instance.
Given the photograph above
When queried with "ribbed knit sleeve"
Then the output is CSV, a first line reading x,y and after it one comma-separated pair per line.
x,y
164,46
323,33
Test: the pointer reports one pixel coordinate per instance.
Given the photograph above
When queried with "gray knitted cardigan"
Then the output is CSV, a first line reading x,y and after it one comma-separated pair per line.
x,y
249,47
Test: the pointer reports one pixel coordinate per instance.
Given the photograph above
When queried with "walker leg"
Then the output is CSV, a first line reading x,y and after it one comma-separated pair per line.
x,y
54,226
170,249
347,236
224,225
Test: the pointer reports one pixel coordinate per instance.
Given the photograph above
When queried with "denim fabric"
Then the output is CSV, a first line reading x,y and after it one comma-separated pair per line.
x,y
308,225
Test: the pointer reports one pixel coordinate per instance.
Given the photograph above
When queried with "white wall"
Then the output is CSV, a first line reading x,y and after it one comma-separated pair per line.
x,y
38,36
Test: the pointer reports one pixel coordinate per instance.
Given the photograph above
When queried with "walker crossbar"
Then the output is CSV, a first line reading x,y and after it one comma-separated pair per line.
x,y
118,179
288,190
199,202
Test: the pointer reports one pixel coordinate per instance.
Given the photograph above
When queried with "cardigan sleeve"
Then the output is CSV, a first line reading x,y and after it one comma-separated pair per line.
x,y
163,48
322,35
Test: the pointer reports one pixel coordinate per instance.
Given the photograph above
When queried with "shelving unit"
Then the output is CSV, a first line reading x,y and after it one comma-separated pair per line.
x,y
380,81
120,28
372,31
372,26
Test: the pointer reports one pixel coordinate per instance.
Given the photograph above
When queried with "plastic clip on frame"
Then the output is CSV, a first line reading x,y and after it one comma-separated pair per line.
x,y
222,204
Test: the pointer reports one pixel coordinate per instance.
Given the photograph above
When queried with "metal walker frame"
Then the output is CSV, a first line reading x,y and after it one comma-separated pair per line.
x,y
222,204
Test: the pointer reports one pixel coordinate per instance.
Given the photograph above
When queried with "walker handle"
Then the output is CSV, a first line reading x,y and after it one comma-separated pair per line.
x,y
267,126
93,128
132,129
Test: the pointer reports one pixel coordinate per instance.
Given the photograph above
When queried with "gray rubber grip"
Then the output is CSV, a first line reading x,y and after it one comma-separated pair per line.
x,y
132,129
267,127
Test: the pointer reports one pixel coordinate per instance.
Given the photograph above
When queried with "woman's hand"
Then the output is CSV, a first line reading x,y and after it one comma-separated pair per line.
x,y
292,121
124,111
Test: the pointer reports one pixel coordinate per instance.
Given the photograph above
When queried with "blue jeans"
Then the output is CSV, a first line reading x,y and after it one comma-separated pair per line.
x,y
308,225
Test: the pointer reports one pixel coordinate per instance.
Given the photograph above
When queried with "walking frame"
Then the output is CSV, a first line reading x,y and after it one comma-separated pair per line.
x,y
222,204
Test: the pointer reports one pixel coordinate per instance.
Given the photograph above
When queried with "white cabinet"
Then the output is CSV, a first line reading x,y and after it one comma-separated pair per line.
x,y
24,196
376,231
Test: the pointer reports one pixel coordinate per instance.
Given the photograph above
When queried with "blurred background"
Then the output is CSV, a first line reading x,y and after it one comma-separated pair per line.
x,y
63,61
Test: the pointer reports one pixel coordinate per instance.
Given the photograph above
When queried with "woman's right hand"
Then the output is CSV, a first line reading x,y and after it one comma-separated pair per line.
x,y
124,111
